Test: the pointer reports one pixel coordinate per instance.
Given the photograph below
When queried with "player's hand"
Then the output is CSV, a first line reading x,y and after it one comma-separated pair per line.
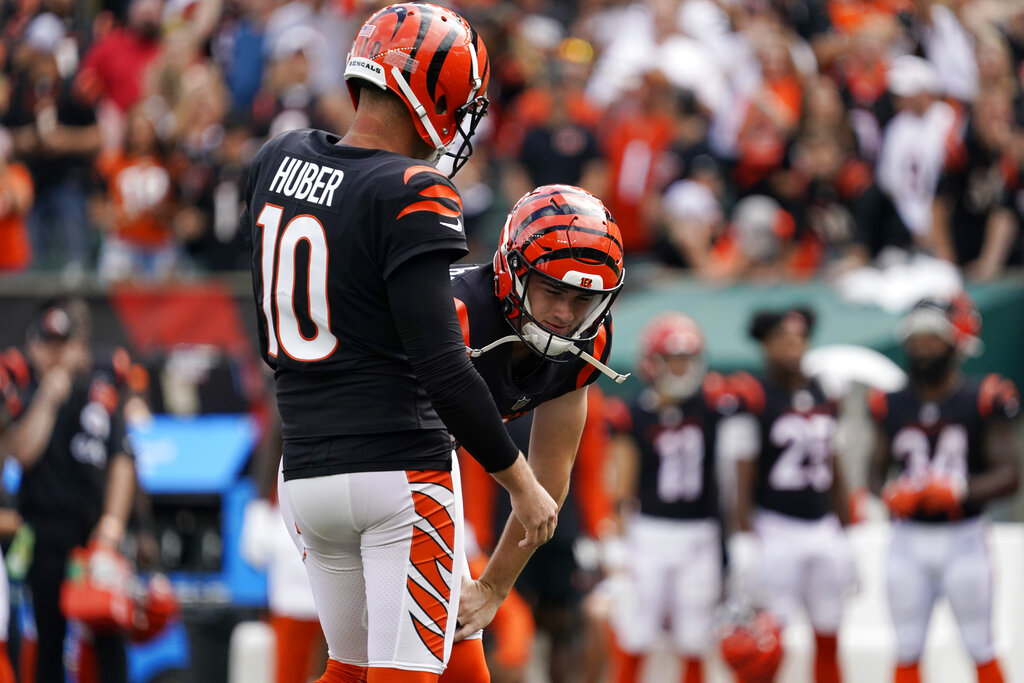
x,y
532,505
108,532
478,604
55,387
943,495
902,497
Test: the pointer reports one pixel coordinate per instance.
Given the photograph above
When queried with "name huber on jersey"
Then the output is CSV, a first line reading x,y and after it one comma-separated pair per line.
x,y
306,181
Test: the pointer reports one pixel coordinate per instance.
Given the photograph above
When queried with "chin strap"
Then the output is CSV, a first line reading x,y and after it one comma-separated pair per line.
x,y
619,378
607,371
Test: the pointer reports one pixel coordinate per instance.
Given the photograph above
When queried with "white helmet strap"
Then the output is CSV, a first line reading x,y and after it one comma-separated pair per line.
x,y
421,112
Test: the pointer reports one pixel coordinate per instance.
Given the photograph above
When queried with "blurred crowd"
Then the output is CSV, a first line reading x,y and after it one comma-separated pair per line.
x,y
734,138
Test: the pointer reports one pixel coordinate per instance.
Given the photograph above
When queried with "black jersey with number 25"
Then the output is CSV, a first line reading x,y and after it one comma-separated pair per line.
x,y
329,223
796,461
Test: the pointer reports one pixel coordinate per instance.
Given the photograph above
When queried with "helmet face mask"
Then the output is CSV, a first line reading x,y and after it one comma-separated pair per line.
x,y
671,335
563,238
434,62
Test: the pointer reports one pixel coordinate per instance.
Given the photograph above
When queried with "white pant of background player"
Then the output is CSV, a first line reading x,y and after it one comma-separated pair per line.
x,y
930,561
867,637
675,577
802,564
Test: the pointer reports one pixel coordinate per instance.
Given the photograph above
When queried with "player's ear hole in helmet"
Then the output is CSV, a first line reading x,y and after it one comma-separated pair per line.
x,y
564,237
434,61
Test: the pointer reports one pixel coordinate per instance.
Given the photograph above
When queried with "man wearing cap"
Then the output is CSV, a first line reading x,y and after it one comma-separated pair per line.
x,y
914,143
944,447
78,480
791,499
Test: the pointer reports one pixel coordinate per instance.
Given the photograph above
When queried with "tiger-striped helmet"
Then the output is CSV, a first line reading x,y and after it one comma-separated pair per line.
x,y
434,61
567,236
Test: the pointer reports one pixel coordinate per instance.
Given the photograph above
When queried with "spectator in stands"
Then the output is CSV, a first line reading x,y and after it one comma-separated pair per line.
x,y
208,220
840,204
56,133
139,204
761,242
863,83
914,143
559,142
287,100
634,141
239,49
974,222
770,119
948,46
691,220
16,194
689,153
114,68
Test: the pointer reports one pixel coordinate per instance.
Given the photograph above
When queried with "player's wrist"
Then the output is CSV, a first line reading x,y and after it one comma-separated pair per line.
x,y
517,478
109,531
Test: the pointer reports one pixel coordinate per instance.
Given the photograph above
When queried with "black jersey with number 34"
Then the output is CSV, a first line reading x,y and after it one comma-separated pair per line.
x,y
943,438
795,464
329,223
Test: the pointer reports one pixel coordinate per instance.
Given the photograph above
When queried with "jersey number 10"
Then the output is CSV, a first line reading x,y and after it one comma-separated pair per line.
x,y
277,260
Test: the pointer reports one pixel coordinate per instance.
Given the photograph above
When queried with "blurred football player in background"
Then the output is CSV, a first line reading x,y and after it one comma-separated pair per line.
x,y
536,323
945,446
666,461
789,490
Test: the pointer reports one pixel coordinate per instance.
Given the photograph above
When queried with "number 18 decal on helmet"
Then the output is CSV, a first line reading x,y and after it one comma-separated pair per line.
x,y
566,238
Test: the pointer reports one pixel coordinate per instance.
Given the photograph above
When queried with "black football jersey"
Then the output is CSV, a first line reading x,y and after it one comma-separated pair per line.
x,y
516,390
677,452
328,224
796,461
943,438
66,485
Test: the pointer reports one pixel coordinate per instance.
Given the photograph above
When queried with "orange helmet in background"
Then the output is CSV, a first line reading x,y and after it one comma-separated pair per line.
x,y
672,334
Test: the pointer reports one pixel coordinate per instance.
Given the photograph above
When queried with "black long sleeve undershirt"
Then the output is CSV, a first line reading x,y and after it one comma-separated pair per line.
x,y
420,295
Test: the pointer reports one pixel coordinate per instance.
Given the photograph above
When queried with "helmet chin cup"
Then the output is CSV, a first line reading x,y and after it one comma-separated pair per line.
x,y
544,342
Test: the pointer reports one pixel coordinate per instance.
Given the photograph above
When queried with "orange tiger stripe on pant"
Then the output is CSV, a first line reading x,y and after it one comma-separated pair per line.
x,y
432,548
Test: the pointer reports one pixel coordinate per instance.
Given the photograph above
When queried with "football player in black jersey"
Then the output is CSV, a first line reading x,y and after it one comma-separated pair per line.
x,y
673,539
536,324
945,446
351,242
789,488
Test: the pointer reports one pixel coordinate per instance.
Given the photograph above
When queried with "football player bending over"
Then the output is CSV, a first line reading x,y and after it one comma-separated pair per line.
x,y
945,446
536,323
